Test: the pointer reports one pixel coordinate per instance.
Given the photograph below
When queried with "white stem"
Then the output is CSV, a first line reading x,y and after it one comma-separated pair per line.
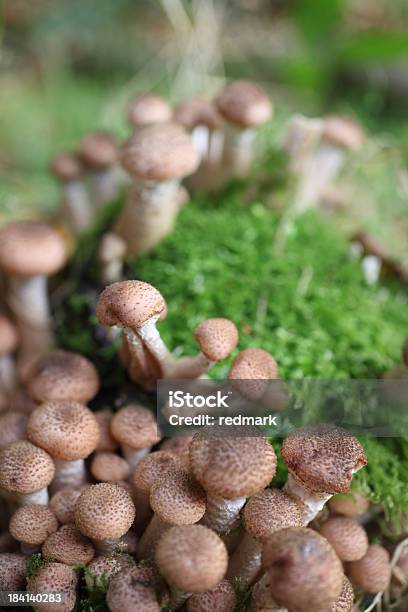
x,y
238,151
105,186
38,497
190,367
313,502
215,146
222,514
150,336
77,206
8,374
134,455
139,366
29,549
68,474
150,537
246,561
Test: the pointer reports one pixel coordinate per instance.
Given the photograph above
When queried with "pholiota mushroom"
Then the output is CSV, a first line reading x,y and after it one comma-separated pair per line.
x,y
31,525
135,588
347,537
111,254
251,371
221,598
62,503
55,578
100,153
351,504
102,568
68,545
148,109
371,573
76,204
109,467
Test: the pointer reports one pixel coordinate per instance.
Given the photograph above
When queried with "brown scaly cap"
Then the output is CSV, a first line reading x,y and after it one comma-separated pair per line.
x,y
12,572
153,468
303,569
109,467
372,573
232,467
159,152
149,108
345,601
62,503
104,511
67,167
250,372
104,567
133,588
343,132
323,457
8,335
135,426
55,578
244,104
62,375
29,248
106,441
25,468
221,598
180,446
13,427
217,338
198,111
99,150
67,430
130,304
178,499
33,524
347,537
269,511
68,545
191,558
353,504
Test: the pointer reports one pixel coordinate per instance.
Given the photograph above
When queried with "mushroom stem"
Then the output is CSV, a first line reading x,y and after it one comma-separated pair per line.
x,y
37,497
238,151
76,206
246,561
134,455
104,186
68,474
151,536
150,336
222,514
313,502
190,367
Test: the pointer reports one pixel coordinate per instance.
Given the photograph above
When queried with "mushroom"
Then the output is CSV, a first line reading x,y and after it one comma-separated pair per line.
x,y
344,602
371,573
29,252
100,153
31,525
109,467
148,109
176,499
102,568
68,545
251,372
301,138
157,157
13,427
111,253
302,569
264,513
8,344
12,572
179,446
321,461
25,473
104,513
68,431
217,338
245,106
54,578
221,598
135,428
192,559
63,375
67,168
352,504
347,537
133,589
106,441
230,469
62,503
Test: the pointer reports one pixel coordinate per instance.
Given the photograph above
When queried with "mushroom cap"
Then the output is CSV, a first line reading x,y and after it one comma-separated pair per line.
x,y
104,511
66,429
372,573
197,111
12,571
343,132
217,338
102,568
63,502
33,524
180,446
352,504
62,375
149,108
106,441
109,467
55,578
303,569
269,511
132,589
245,104
67,167
232,467
152,468
30,248
130,304
347,537
68,545
191,558
323,457
111,247
135,426
99,150
13,427
345,601
250,372
25,468
8,335
221,598
159,152
178,499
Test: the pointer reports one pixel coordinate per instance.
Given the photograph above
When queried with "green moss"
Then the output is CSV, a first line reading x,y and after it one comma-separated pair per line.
x,y
33,563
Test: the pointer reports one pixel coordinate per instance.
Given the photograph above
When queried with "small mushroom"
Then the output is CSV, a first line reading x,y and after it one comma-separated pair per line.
x,y
106,441
29,252
104,513
55,578
100,153
9,341
221,598
111,254
31,525
157,157
371,573
68,545
76,205
347,537
192,559
251,372
102,568
179,446
109,467
148,109
62,503
133,589
351,504
68,431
